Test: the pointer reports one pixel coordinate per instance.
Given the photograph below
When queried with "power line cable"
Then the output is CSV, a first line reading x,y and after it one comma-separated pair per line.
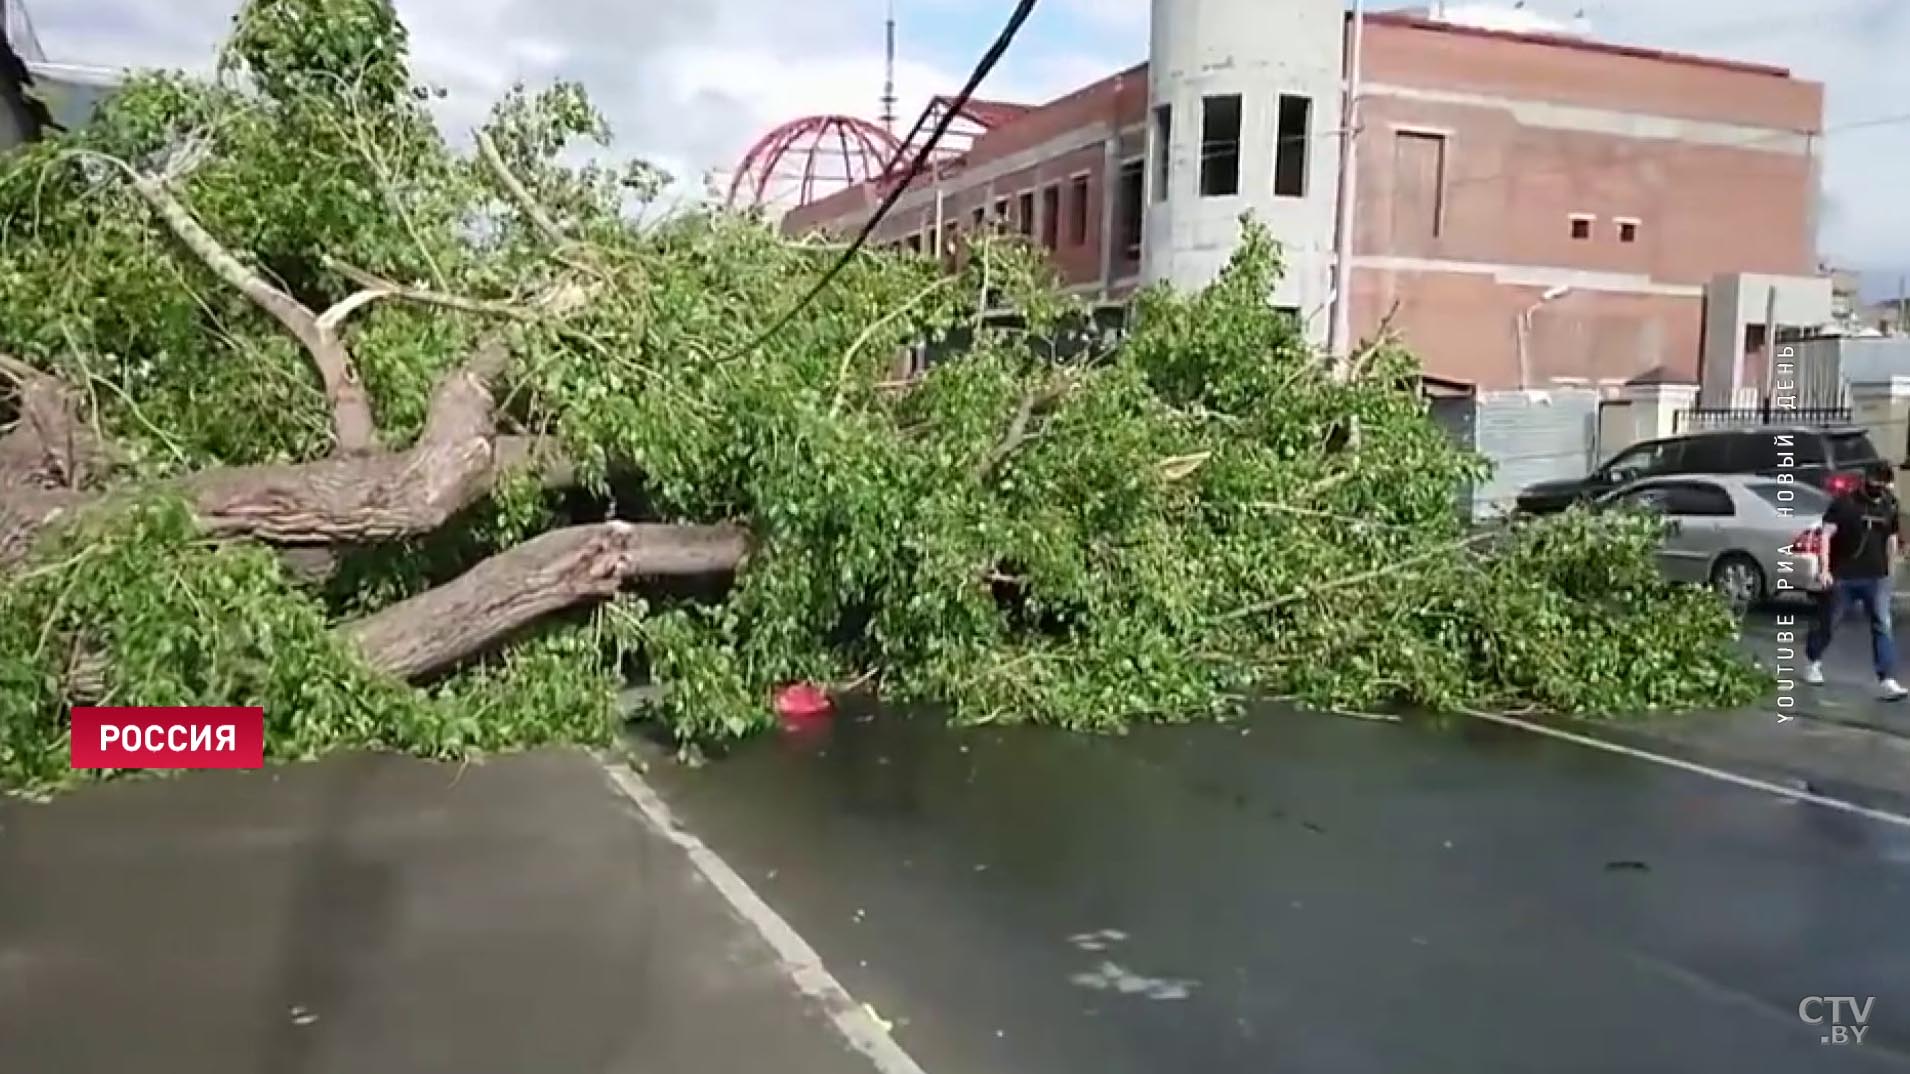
x,y
1023,8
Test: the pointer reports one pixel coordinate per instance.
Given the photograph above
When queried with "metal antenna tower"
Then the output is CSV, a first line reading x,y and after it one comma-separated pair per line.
x,y
888,73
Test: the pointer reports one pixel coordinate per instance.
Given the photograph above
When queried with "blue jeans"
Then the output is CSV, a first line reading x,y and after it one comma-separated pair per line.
x,y
1874,595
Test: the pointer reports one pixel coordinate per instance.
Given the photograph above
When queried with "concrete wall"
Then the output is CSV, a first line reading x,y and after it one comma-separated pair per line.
x,y
1532,436
1733,303
1258,50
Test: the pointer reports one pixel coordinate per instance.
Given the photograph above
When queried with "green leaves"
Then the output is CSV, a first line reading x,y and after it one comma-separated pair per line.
x,y
1147,531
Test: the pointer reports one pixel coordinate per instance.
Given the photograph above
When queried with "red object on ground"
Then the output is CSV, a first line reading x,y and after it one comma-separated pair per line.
x,y
802,701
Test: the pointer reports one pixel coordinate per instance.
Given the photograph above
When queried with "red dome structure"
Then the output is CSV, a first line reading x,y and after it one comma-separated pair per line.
x,y
809,158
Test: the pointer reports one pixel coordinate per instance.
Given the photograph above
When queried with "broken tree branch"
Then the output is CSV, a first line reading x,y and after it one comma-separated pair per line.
x,y
1382,337
1018,433
868,333
367,497
352,423
515,190
546,574
1303,592
376,288
486,605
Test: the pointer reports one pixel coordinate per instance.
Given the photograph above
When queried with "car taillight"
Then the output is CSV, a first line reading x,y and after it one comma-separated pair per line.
x,y
1838,484
1809,543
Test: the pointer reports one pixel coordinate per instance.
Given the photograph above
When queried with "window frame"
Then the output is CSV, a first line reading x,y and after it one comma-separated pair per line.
x,y
1161,140
1080,185
1285,142
1125,249
1219,156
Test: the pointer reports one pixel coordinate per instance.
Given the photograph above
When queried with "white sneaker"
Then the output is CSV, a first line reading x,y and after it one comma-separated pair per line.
x,y
1814,674
1892,690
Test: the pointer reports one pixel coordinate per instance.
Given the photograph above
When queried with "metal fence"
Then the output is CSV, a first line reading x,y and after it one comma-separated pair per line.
x,y
1700,419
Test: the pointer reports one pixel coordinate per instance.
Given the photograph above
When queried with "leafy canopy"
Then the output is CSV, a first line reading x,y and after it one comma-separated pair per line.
x,y
1146,530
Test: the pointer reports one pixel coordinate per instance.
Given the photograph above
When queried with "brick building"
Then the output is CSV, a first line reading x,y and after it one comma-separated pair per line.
x,y
1530,207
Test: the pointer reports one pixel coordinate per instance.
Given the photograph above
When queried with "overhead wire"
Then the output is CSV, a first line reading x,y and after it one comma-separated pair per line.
x,y
1023,8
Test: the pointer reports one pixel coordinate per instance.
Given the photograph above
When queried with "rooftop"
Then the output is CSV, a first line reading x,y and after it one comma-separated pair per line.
x,y
1569,41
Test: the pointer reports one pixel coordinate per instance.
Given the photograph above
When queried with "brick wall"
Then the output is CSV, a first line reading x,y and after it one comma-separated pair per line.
x,y
1683,168
1478,151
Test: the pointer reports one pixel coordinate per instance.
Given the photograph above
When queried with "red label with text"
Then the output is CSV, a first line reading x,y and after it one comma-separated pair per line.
x,y
168,738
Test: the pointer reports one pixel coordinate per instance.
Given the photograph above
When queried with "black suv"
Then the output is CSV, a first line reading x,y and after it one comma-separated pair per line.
x,y
1831,459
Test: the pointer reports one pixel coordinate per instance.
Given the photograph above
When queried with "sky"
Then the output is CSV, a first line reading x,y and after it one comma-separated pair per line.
x,y
689,84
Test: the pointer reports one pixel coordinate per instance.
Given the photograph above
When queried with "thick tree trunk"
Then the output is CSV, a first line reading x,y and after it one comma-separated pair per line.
x,y
545,574
487,604
44,458
349,498
337,500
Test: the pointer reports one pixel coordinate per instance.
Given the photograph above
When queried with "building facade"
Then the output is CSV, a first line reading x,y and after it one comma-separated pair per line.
x,y
1530,208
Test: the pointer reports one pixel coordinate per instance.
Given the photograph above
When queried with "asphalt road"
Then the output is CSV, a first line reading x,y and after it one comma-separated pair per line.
x,y
374,915
1315,894
1303,894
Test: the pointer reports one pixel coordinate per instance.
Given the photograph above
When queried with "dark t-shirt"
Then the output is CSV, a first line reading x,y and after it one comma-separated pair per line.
x,y
1861,546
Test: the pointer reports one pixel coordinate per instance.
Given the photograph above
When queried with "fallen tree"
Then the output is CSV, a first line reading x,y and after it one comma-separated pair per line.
x,y
310,411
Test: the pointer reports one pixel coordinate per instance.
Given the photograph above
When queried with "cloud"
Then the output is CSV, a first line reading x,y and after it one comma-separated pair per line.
x,y
690,83
1857,49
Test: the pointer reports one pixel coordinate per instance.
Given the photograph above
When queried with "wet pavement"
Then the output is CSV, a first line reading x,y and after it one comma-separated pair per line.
x,y
1307,893
374,915
1302,893
1840,738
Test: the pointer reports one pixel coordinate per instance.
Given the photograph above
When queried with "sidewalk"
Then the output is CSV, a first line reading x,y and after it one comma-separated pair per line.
x,y
1840,739
378,914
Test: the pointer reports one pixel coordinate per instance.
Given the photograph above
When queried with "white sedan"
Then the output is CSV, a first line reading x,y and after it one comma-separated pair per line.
x,y
1742,534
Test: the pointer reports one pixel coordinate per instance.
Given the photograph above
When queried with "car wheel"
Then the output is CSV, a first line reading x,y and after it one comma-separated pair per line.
x,y
1739,580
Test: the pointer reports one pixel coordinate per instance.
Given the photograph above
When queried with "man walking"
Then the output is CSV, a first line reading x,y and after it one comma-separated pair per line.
x,y
1862,535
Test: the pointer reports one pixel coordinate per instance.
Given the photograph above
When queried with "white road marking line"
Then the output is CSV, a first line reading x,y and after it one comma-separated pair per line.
x,y
803,964
1720,774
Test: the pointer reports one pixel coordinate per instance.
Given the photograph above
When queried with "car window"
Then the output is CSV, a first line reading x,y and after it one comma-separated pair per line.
x,y
1793,496
1697,498
1713,454
1650,498
1658,457
1850,448
1807,448
1768,451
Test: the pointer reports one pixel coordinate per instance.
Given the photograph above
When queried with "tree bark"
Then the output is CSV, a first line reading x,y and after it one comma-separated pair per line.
x,y
52,445
545,574
337,500
43,458
352,422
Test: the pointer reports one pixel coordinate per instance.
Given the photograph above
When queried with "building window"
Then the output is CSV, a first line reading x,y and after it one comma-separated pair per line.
x,y
1025,208
1078,210
1001,209
1220,146
1290,156
1582,226
915,243
980,217
1163,134
1051,216
1628,231
1132,202
1419,189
